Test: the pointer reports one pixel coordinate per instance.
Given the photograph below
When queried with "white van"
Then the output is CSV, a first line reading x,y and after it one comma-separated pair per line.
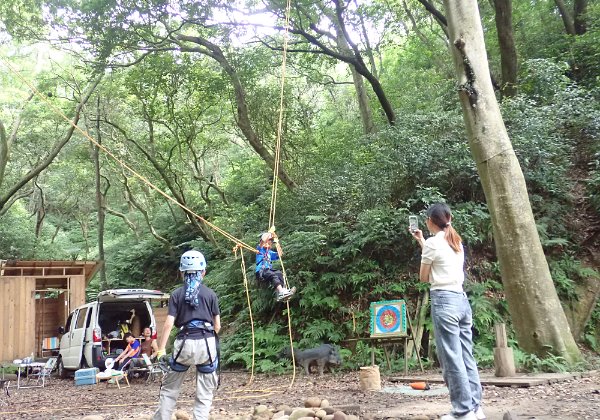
x,y
91,333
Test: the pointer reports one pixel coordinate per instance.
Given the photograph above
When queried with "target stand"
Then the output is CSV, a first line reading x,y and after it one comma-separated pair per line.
x,y
390,324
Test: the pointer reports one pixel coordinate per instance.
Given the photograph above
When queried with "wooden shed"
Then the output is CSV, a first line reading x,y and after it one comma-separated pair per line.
x,y
35,299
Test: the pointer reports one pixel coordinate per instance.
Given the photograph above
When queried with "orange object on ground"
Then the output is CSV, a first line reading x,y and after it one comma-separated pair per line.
x,y
423,386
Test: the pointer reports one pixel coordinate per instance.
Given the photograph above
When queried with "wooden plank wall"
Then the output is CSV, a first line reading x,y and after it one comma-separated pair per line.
x,y
77,286
160,314
17,328
47,320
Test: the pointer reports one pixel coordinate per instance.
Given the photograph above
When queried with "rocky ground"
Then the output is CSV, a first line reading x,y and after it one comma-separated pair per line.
x,y
577,398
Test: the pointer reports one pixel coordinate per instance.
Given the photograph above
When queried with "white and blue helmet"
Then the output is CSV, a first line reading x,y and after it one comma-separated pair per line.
x,y
192,261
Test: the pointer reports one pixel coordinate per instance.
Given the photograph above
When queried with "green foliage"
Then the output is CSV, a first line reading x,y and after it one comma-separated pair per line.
x,y
236,349
566,272
592,330
532,363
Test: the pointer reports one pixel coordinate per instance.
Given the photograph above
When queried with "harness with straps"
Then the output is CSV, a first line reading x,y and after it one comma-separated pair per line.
x,y
206,330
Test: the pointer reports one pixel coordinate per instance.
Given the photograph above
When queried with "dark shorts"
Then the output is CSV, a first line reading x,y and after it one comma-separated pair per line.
x,y
272,277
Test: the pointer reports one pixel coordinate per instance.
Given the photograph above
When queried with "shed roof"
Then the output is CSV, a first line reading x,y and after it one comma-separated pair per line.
x,y
49,269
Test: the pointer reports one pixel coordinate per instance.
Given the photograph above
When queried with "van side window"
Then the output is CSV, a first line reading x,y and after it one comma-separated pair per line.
x,y
81,318
68,323
89,318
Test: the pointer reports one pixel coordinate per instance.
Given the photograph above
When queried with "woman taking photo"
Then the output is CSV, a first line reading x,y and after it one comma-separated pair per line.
x,y
442,262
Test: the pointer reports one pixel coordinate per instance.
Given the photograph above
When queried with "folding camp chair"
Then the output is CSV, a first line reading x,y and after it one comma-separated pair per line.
x,y
136,368
50,345
42,373
155,370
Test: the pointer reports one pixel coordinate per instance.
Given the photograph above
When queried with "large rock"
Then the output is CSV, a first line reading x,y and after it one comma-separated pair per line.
x,y
286,408
262,412
339,415
182,415
320,414
324,403
298,413
312,402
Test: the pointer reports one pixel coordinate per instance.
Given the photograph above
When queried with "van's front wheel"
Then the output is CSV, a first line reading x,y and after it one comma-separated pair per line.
x,y
62,373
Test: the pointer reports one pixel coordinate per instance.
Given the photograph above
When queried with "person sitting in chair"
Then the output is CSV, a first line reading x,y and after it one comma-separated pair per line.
x,y
149,345
131,351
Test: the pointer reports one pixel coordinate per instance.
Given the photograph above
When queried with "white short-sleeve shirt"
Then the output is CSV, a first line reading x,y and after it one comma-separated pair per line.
x,y
446,264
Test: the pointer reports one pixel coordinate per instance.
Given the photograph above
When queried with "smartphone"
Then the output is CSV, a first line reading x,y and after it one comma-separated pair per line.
x,y
413,223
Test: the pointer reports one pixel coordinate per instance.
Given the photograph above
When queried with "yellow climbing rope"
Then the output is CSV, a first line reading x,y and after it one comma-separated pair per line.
x,y
276,178
243,264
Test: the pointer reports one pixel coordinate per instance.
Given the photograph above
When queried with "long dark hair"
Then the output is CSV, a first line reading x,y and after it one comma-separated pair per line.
x,y
441,216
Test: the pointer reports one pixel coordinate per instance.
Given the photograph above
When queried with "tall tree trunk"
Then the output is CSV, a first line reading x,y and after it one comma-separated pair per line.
x,y
536,312
579,17
508,51
100,199
364,107
565,14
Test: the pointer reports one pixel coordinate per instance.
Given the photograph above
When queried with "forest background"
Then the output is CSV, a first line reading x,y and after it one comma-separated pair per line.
x,y
188,95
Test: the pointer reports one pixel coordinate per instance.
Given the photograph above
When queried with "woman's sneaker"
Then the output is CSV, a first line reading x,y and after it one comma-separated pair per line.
x,y
469,416
480,414
285,294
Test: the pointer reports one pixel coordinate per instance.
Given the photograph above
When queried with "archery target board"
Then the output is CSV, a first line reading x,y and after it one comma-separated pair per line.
x,y
388,318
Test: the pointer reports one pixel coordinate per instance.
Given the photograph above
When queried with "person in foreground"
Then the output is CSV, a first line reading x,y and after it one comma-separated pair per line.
x,y
194,309
442,262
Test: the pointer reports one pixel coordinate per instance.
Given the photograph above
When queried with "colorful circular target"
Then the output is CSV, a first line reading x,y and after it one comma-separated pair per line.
x,y
388,318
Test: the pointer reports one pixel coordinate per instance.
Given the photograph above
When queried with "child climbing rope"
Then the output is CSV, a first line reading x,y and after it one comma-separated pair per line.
x,y
264,266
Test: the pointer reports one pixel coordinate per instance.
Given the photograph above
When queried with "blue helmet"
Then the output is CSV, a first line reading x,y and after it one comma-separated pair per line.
x,y
192,261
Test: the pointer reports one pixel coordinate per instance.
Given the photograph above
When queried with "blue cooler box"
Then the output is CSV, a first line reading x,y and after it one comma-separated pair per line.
x,y
86,376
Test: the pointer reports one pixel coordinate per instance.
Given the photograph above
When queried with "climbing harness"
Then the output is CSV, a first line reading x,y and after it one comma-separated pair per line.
x,y
193,330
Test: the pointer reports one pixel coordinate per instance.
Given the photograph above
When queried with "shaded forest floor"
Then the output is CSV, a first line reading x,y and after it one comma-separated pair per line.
x,y
577,398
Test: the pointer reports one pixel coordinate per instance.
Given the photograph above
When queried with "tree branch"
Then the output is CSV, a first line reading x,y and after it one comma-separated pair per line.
x,y
13,200
125,219
131,199
55,150
6,142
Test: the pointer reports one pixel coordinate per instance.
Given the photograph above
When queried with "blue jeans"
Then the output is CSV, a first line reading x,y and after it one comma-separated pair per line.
x,y
452,322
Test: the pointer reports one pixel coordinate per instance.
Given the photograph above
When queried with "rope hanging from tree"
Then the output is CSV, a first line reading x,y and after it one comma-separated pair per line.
x,y
243,264
276,176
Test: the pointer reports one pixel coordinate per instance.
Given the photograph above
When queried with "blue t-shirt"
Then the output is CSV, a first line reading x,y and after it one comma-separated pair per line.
x,y
264,258
135,346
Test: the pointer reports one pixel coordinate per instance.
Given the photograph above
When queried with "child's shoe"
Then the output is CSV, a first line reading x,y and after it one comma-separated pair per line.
x,y
285,294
